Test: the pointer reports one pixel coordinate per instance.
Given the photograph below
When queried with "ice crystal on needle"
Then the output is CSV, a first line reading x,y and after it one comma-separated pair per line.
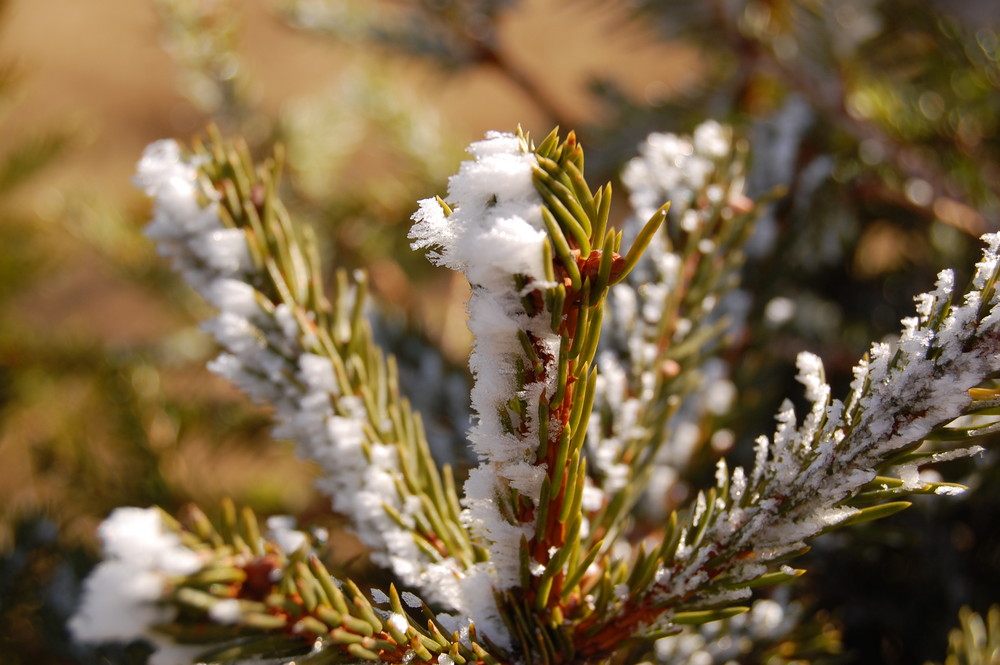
x,y
123,597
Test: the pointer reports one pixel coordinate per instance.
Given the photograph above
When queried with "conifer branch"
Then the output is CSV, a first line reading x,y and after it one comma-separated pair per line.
x,y
672,316
539,348
229,595
538,563
821,474
219,218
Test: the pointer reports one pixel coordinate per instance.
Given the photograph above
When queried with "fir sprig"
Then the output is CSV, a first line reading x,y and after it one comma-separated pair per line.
x,y
586,265
250,598
530,495
821,474
671,316
289,603
310,355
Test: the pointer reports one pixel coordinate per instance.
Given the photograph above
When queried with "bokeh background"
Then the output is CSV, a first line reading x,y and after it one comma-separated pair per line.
x,y
873,123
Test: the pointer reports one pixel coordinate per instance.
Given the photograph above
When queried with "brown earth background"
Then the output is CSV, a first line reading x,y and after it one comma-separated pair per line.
x,y
98,69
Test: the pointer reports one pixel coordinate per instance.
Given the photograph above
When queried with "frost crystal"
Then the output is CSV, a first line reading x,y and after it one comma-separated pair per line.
x,y
121,598
281,529
410,599
398,622
496,229
225,611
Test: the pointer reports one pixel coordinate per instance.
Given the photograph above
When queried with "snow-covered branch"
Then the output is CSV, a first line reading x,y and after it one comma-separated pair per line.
x,y
334,393
202,594
835,467
658,377
538,562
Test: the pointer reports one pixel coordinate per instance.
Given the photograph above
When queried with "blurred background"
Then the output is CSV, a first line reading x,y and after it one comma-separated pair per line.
x,y
877,119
